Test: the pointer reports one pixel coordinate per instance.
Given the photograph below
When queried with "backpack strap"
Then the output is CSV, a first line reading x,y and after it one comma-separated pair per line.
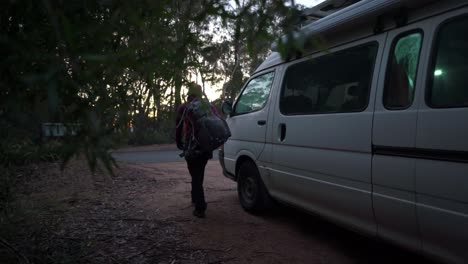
x,y
192,139
182,118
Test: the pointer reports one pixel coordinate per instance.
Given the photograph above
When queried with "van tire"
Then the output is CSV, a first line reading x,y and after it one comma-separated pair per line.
x,y
252,192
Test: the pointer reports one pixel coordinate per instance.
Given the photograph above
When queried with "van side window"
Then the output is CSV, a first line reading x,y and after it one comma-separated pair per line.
x,y
333,83
255,95
401,71
449,74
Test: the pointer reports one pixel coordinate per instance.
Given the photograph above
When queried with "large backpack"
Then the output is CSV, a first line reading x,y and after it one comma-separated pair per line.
x,y
209,131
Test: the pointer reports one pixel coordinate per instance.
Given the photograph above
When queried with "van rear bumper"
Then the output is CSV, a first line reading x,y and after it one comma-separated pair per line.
x,y
221,162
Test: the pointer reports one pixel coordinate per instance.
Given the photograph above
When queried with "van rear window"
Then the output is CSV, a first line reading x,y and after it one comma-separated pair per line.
x,y
333,83
449,86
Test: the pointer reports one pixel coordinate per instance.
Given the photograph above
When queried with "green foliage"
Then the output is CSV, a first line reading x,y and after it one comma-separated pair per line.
x,y
21,152
254,26
108,65
150,137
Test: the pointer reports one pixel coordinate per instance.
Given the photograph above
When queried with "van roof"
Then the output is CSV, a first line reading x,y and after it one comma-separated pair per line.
x,y
350,17
324,9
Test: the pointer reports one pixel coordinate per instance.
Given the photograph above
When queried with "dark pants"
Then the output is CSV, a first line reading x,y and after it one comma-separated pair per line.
x,y
196,166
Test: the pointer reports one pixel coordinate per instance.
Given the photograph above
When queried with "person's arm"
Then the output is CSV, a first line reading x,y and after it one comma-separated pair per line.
x,y
215,111
180,127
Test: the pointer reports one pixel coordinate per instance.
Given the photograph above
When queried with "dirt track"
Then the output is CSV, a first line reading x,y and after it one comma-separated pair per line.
x,y
231,235
144,215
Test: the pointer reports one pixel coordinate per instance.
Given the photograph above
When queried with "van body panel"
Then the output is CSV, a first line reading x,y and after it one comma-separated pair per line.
x,y
431,173
394,129
321,170
394,200
442,206
266,157
442,129
400,173
442,170
236,149
443,227
397,172
248,133
324,162
339,199
393,176
247,136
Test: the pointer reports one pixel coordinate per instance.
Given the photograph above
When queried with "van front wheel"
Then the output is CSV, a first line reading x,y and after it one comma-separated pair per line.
x,y
252,192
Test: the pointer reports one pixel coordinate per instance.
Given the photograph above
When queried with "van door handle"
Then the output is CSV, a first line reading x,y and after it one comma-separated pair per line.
x,y
282,132
261,122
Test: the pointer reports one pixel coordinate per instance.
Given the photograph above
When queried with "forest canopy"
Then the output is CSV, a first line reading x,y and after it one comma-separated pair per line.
x,y
114,71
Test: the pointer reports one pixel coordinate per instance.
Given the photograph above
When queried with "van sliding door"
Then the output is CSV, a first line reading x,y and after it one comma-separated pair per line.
x,y
322,133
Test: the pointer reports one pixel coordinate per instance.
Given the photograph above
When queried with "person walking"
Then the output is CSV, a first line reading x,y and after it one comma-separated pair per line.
x,y
195,157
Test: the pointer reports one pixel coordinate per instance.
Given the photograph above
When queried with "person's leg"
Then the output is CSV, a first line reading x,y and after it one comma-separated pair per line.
x,y
201,193
197,183
192,167
196,168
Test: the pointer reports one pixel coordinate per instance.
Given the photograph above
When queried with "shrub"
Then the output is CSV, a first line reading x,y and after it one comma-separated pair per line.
x,y
25,151
149,137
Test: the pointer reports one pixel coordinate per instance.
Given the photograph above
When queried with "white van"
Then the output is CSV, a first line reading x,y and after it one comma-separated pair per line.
x,y
371,133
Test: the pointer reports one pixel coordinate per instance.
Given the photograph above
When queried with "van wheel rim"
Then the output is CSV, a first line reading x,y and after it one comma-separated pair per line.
x,y
249,189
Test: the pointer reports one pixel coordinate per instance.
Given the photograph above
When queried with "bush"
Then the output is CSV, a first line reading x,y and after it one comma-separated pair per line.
x,y
149,137
25,151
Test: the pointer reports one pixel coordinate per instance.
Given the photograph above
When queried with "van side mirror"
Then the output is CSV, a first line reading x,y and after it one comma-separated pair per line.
x,y
226,107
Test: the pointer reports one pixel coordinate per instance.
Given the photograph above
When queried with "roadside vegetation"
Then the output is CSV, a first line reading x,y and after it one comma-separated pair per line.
x,y
108,74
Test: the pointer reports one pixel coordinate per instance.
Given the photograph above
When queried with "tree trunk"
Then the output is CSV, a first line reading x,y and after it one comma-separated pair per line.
x,y
157,102
177,89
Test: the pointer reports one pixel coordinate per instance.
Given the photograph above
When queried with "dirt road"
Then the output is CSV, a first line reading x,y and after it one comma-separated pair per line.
x,y
144,215
233,236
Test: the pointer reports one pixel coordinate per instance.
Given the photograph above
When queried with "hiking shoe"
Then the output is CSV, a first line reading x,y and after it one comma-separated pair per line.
x,y
199,213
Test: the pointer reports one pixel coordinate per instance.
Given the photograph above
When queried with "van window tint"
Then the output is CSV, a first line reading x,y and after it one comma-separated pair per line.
x,y
449,87
337,82
255,95
401,73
